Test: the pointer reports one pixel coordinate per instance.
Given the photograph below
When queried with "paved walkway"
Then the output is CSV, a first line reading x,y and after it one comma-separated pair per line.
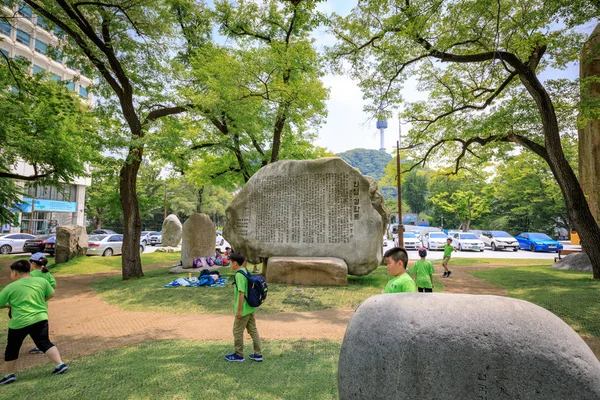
x,y
82,323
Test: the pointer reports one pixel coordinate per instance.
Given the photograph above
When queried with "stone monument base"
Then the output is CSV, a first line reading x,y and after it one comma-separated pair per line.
x,y
574,262
318,271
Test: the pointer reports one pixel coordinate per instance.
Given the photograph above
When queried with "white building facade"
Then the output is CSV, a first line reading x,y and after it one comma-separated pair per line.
x,y
26,37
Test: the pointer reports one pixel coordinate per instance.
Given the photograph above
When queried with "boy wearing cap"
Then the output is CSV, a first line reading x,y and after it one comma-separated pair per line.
x,y
27,297
396,259
424,272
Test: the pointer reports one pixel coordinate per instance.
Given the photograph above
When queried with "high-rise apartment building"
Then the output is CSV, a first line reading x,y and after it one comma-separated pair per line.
x,y
27,36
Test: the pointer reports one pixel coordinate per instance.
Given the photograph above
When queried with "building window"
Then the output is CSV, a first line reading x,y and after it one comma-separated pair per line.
x,y
58,58
41,47
41,22
25,10
71,86
55,77
37,69
59,32
4,52
5,28
70,64
23,37
83,92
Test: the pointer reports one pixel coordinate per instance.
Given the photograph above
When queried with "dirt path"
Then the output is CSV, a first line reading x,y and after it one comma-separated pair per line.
x,y
82,323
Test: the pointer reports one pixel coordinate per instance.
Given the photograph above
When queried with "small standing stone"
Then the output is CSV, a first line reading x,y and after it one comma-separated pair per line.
x,y
199,238
71,242
171,231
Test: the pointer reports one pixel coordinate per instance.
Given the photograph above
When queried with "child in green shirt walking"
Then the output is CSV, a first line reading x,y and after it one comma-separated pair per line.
x,y
244,313
38,270
424,271
448,249
27,297
396,259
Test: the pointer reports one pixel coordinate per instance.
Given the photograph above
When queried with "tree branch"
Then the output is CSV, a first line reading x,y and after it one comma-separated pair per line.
x,y
36,177
166,111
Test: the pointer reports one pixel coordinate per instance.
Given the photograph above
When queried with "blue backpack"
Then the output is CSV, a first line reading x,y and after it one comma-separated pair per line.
x,y
257,288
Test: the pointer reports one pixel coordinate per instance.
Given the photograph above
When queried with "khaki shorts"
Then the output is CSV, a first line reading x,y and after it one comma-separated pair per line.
x,y
445,260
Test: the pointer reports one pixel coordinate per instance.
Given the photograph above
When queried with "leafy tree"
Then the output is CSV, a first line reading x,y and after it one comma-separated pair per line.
x,y
43,124
466,205
259,97
126,44
480,63
526,197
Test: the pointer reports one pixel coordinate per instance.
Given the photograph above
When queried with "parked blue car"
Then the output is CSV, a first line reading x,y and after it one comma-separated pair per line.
x,y
538,242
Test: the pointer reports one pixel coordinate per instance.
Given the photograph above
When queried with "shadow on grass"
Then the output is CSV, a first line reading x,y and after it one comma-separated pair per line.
x,y
571,295
190,370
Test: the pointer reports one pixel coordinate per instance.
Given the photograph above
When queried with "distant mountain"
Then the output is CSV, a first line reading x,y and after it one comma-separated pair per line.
x,y
369,162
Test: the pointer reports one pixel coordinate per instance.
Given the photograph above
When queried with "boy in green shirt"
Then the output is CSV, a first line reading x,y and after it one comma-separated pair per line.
x,y
396,259
244,313
27,297
448,249
424,272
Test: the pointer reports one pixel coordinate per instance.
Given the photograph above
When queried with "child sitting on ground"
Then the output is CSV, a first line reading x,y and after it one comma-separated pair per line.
x,y
27,297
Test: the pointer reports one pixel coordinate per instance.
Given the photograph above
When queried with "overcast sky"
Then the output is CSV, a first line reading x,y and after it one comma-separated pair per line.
x,y
347,126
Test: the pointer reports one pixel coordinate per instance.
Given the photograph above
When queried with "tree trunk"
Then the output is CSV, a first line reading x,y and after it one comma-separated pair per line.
x,y
132,221
575,201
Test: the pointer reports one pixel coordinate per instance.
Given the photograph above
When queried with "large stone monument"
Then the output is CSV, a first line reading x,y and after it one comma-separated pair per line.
x,y
171,231
71,242
199,238
589,135
316,208
459,346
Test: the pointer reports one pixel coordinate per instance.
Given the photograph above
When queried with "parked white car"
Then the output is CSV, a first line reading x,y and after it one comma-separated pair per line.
x,y
411,241
146,237
155,238
107,245
13,242
434,240
499,240
220,240
467,241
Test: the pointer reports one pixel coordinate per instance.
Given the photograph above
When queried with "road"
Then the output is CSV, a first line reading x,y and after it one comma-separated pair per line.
x,y
487,253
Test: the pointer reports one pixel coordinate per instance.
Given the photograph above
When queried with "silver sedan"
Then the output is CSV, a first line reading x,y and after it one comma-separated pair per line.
x,y
106,245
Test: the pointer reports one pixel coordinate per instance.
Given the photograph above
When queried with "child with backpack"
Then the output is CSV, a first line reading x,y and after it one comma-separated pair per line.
x,y
38,270
244,312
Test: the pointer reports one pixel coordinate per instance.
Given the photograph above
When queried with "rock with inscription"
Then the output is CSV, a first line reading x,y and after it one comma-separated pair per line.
x,y
461,346
314,208
199,238
574,262
171,231
319,271
71,242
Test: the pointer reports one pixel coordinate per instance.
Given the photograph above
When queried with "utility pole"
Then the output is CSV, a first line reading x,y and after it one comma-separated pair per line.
x,y
165,202
399,176
31,216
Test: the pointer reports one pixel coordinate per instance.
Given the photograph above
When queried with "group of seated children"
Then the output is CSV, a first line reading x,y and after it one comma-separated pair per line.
x,y
222,258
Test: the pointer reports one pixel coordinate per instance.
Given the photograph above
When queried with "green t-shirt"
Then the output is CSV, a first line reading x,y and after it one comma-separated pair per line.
x,y
36,273
241,285
423,270
27,300
399,284
448,249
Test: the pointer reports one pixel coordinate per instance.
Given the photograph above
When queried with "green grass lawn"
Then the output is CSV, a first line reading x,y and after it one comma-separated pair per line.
x,y
473,262
92,265
573,296
148,294
189,370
